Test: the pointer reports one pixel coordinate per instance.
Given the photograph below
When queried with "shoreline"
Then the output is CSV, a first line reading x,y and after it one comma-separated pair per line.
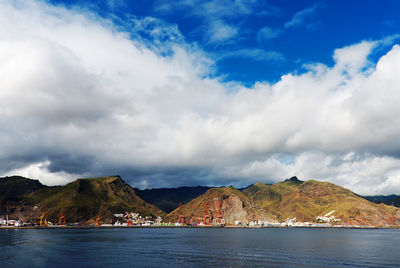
x,y
195,227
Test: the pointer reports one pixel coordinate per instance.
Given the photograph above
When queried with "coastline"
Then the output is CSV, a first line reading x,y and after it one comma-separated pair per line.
x,y
195,227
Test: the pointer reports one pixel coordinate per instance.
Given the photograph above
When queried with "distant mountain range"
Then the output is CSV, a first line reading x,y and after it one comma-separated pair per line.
x,y
85,199
392,200
168,199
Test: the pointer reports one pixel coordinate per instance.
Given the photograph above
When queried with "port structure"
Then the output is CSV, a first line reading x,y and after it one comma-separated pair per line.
x,y
220,219
207,218
62,220
43,219
98,219
181,219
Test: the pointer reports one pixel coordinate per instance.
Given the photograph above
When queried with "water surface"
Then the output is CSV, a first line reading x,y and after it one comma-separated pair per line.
x,y
200,247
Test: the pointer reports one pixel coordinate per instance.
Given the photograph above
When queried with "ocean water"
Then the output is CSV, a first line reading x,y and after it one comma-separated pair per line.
x,y
200,247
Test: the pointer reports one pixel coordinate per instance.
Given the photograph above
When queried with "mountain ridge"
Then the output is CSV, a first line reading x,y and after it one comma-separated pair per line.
x,y
86,198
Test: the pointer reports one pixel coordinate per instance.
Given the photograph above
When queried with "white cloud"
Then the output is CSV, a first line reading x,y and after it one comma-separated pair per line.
x,y
254,54
113,4
300,17
267,33
221,20
213,9
219,31
40,171
81,98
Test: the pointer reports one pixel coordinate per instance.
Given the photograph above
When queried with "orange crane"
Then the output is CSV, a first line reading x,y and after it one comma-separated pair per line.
x,y
61,220
181,218
207,219
43,219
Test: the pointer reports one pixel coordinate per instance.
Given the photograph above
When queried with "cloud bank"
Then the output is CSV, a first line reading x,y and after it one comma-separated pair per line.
x,y
79,98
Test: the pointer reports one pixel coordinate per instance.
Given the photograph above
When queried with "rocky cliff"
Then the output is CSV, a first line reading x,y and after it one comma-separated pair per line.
x,y
229,202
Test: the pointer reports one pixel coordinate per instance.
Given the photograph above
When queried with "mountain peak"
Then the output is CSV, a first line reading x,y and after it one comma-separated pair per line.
x,y
294,179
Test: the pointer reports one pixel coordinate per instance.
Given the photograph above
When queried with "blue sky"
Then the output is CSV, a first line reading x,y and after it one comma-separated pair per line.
x,y
190,92
254,40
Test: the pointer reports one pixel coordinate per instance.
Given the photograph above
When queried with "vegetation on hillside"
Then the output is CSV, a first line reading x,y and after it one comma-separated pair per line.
x,y
84,199
309,199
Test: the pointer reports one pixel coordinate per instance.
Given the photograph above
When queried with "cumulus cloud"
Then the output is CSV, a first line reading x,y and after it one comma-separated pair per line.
x,y
80,97
40,171
363,173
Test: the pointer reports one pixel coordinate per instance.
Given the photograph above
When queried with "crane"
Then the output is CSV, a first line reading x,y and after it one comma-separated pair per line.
x,y
43,219
98,220
62,220
220,219
207,219
181,219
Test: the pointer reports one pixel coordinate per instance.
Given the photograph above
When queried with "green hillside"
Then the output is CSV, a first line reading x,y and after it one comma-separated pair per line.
x,y
15,187
84,199
309,199
269,197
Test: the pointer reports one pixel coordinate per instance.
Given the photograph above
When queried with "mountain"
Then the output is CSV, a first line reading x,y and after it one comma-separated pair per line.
x,y
168,199
84,199
392,200
15,187
13,191
309,199
269,197
234,206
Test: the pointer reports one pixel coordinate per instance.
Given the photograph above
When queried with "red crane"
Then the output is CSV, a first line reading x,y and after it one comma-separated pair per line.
x,y
181,219
207,219
220,219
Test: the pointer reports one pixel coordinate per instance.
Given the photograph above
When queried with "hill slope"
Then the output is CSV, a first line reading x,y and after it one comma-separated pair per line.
x,y
269,197
15,187
84,199
235,206
13,191
307,200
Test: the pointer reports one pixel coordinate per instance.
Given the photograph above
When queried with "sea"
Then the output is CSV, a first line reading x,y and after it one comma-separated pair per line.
x,y
200,247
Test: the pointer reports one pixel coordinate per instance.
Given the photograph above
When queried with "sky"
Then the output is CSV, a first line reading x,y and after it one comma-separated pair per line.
x,y
189,92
